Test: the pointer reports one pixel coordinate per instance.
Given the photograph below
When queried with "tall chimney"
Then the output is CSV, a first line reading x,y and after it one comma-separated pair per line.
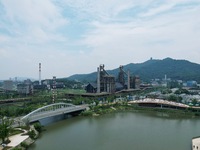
x,y
128,86
98,80
39,73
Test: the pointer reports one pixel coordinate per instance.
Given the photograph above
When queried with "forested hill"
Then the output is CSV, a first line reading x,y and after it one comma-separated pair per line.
x,y
151,69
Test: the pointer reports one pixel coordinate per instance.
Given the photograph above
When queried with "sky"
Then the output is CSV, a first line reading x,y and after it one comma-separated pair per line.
x,y
75,36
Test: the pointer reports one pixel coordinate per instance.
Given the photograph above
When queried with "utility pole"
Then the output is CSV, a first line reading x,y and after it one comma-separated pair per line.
x,y
54,89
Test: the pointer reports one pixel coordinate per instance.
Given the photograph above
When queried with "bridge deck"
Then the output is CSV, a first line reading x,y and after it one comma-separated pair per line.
x,y
54,113
159,101
52,110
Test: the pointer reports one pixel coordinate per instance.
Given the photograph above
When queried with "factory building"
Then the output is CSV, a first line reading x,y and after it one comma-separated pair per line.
x,y
8,85
25,89
130,82
107,83
91,88
137,82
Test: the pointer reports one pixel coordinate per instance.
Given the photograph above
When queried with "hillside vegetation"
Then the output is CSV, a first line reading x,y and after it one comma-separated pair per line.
x,y
151,69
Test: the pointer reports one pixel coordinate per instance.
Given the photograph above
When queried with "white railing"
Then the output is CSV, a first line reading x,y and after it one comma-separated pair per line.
x,y
51,110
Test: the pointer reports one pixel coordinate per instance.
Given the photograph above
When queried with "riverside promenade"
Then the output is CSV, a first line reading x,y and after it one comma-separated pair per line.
x,y
15,140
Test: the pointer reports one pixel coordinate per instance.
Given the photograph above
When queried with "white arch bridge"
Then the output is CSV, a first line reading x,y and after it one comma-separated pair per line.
x,y
53,110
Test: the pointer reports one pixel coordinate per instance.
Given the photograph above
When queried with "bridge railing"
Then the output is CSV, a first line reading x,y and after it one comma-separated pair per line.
x,y
53,113
48,109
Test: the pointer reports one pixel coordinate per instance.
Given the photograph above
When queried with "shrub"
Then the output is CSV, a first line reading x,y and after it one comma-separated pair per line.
x,y
23,144
31,134
38,127
16,148
87,113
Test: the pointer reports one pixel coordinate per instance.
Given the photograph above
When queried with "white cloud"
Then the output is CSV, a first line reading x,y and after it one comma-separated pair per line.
x,y
104,10
118,32
29,19
34,13
171,34
157,10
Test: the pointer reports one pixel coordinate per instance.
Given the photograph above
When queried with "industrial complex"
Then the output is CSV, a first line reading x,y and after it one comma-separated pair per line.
x,y
108,83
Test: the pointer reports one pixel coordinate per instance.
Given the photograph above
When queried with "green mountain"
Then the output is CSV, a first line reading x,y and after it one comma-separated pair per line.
x,y
151,69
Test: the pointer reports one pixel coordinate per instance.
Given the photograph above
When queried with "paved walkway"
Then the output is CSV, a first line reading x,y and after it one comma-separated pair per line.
x,y
17,139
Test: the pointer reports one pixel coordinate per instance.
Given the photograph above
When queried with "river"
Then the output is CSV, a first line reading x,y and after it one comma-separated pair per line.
x,y
120,131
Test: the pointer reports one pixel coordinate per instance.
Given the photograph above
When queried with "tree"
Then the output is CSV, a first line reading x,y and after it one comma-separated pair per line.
x,y
177,92
38,127
194,101
173,97
5,128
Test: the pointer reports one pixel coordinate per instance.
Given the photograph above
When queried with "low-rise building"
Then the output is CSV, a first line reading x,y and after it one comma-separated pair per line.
x,y
191,83
25,89
91,88
8,85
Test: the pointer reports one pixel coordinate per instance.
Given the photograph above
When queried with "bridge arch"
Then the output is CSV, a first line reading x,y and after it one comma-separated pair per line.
x,y
47,109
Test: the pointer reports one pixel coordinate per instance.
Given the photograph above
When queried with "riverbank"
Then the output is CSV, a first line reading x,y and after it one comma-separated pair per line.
x,y
120,107
112,108
24,139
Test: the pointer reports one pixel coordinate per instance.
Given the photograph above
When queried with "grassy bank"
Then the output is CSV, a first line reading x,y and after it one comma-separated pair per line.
x,y
112,108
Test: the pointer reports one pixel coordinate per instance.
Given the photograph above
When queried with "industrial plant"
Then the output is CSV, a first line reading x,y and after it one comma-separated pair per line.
x,y
110,84
105,83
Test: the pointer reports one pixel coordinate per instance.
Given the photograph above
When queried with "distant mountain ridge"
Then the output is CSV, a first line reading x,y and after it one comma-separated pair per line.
x,y
152,69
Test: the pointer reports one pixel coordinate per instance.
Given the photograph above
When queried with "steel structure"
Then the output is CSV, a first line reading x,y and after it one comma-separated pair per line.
x,y
52,110
121,77
105,81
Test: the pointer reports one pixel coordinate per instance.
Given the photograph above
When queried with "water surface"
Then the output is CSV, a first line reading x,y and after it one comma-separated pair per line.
x,y
120,131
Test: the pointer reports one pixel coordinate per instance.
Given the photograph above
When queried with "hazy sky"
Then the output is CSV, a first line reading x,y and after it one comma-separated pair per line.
x,y
75,36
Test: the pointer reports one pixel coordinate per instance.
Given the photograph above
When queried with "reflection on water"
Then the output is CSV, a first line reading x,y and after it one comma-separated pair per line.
x,y
137,131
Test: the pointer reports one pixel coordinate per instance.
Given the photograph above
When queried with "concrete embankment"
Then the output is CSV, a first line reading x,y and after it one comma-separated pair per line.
x,y
196,143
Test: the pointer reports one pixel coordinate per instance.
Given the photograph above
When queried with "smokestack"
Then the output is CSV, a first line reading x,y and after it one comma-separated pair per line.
x,y
98,80
128,86
39,73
